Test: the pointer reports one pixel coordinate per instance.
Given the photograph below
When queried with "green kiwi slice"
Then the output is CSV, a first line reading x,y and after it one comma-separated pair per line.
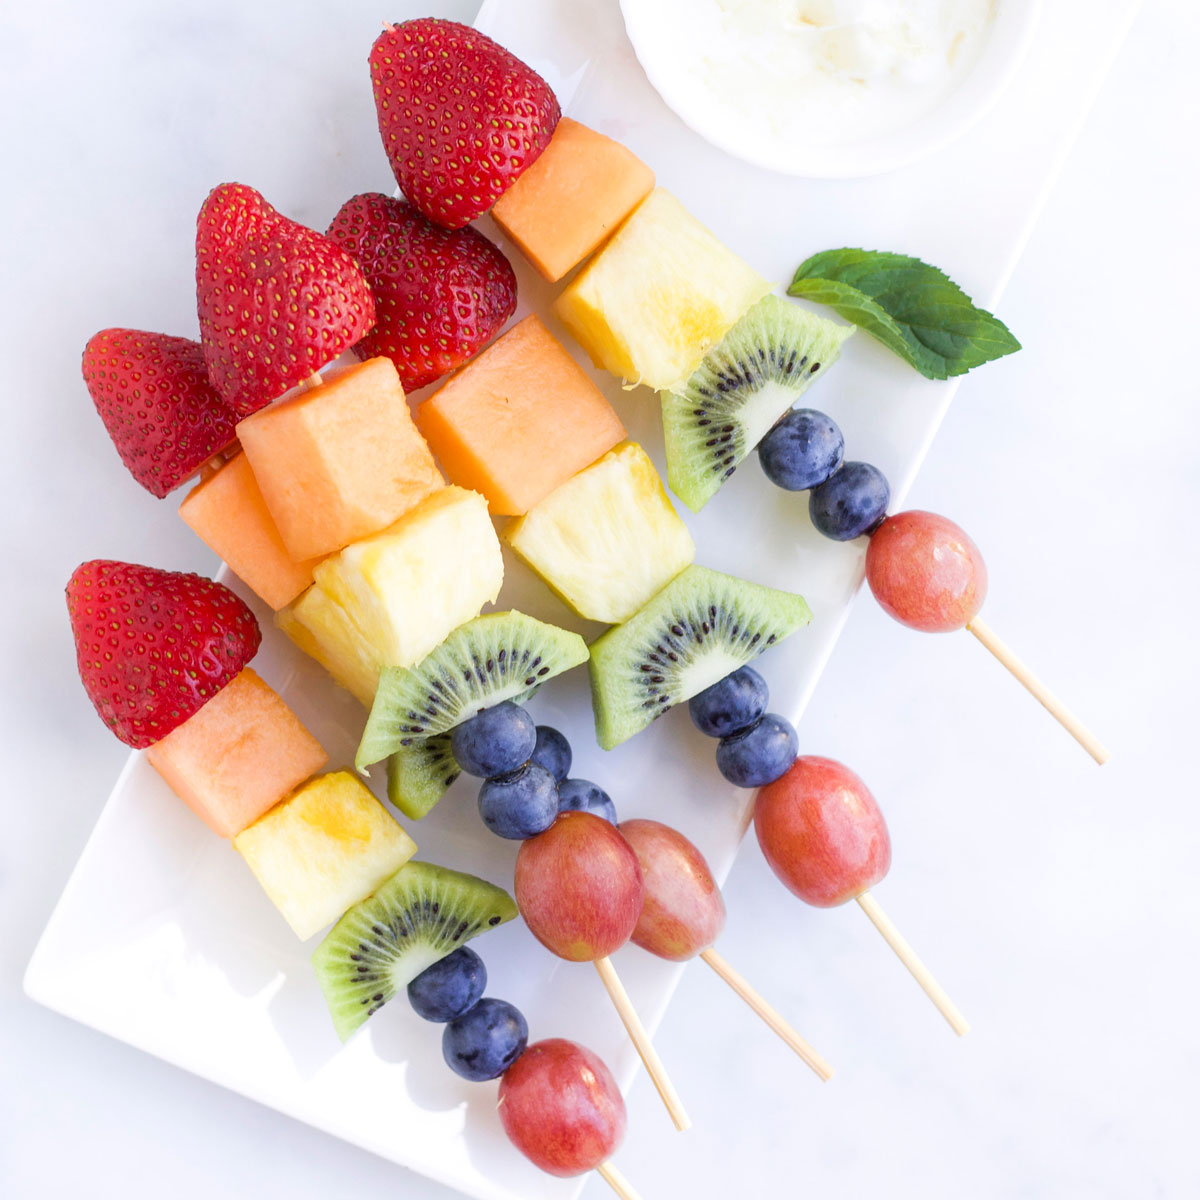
x,y
492,658
420,915
418,775
700,627
744,384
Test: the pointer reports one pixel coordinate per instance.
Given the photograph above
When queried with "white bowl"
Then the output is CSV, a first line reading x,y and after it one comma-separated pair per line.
x,y
651,28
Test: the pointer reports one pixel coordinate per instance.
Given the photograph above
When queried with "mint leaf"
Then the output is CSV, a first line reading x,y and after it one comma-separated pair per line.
x,y
914,309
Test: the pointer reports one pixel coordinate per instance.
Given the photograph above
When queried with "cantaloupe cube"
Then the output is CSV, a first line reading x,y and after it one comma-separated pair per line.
x,y
229,514
608,539
238,756
519,420
339,461
325,848
662,291
582,186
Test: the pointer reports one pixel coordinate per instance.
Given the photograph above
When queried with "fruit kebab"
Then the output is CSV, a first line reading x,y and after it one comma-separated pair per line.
x,y
683,914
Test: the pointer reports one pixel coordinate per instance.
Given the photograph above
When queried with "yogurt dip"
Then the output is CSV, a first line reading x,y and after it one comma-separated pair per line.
x,y
767,76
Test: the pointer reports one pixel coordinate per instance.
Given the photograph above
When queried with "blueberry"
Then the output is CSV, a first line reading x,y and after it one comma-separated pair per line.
x,y
730,705
760,754
495,741
804,449
851,502
552,751
485,1041
581,795
450,987
521,804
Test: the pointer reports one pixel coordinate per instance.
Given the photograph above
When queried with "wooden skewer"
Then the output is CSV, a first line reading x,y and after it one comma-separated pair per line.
x,y
617,1181
919,971
643,1045
314,380
767,1013
1048,700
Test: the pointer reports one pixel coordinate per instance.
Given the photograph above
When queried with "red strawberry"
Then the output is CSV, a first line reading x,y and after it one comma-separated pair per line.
x,y
460,116
277,301
440,294
155,646
153,395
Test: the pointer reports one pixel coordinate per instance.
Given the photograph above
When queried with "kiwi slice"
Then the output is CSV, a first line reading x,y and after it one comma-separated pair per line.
x,y
745,383
418,775
700,627
492,658
416,918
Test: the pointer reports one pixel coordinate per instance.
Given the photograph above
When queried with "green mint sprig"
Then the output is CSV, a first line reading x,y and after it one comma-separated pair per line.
x,y
914,309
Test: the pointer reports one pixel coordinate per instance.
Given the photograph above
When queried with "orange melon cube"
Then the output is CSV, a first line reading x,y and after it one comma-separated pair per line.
x,y
238,756
228,513
339,461
582,186
519,420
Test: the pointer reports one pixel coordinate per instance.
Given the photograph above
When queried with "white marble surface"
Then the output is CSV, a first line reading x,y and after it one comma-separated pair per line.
x,y
1055,899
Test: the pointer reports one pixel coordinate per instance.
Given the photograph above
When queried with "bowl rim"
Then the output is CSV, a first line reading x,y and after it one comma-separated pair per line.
x,y
1014,25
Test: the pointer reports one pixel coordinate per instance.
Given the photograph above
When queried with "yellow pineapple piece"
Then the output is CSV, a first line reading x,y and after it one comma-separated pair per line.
x,y
389,599
608,539
322,628
325,848
407,587
658,295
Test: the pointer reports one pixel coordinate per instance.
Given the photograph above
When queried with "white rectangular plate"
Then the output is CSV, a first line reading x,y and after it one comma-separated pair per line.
x,y
162,937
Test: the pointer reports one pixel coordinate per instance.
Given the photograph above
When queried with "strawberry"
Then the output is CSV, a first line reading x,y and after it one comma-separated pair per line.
x,y
440,294
460,116
277,301
155,646
153,395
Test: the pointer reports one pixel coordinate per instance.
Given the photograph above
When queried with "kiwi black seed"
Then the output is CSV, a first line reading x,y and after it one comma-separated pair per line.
x,y
500,656
744,384
698,629
420,915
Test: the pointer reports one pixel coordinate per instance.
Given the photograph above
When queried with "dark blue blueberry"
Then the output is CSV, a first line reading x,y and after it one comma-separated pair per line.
x,y
552,751
731,704
450,987
804,449
521,804
495,741
485,1041
759,755
581,795
851,502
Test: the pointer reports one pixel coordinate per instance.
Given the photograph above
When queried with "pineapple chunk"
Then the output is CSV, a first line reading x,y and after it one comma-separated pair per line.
x,y
322,628
391,598
325,848
406,588
658,295
608,539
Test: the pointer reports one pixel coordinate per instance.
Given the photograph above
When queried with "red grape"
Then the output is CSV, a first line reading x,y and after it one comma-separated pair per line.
x,y
579,887
561,1107
822,832
683,912
926,572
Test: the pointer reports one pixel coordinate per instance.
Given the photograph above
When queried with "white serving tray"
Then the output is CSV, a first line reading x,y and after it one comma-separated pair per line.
x,y
162,938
